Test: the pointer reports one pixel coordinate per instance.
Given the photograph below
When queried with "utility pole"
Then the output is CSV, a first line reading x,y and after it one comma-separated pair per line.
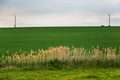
x,y
109,20
14,21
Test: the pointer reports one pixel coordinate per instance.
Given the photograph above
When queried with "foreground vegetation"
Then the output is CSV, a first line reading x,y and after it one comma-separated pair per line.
x,y
63,56
61,74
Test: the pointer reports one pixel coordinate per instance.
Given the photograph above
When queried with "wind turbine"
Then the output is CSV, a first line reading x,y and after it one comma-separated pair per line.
x,y
14,21
109,20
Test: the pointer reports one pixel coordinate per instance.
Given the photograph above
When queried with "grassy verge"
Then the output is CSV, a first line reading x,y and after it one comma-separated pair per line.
x,y
61,74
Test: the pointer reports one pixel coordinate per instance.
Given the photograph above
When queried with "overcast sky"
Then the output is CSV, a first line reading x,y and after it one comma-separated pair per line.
x,y
59,12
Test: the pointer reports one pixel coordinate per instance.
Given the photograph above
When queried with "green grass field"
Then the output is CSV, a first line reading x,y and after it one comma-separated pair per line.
x,y
14,39
61,74
34,38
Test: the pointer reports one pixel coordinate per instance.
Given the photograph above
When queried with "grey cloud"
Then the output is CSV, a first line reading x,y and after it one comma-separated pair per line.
x,y
2,2
65,6
58,7
71,6
2,5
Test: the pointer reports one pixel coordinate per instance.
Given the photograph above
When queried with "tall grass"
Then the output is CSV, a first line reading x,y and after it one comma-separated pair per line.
x,y
63,56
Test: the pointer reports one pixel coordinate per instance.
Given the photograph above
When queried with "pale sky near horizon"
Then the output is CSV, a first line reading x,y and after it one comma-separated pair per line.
x,y
59,12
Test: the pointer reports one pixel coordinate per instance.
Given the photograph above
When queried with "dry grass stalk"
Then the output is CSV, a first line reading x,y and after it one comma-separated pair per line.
x,y
61,56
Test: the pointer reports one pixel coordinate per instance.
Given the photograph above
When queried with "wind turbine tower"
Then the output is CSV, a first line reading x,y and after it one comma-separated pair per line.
x,y
109,20
14,21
